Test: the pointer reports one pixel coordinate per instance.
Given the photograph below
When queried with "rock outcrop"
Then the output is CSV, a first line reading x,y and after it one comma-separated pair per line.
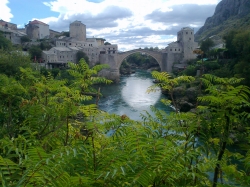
x,y
185,98
228,14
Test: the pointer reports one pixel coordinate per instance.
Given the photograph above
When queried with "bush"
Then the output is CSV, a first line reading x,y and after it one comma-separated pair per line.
x,y
189,71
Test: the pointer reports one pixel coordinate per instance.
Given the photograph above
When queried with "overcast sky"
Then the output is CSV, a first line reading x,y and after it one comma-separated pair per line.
x,y
129,23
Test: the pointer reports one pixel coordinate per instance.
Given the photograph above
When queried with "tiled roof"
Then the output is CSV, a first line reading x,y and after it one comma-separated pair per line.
x,y
37,22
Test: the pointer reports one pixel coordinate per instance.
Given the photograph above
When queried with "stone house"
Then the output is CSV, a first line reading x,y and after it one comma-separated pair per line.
x,y
11,32
13,35
53,34
5,24
67,47
37,30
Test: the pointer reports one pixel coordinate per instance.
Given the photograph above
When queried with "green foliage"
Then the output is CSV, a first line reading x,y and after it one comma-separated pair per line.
x,y
238,45
5,44
53,135
25,39
223,72
206,45
167,83
223,107
190,70
44,45
80,55
141,60
107,43
211,65
35,52
10,62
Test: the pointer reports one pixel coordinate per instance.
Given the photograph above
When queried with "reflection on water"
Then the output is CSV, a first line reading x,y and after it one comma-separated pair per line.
x,y
134,93
129,96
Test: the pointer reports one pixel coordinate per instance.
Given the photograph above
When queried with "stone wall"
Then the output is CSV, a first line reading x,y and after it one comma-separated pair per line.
x,y
113,73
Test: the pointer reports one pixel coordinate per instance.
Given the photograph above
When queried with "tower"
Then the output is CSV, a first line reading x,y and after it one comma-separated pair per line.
x,y
78,30
186,39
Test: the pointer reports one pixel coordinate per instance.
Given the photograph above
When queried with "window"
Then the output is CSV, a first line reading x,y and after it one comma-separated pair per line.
x,y
186,32
170,49
179,50
189,38
175,49
191,32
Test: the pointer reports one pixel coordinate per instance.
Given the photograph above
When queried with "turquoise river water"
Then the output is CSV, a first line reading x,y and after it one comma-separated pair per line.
x,y
129,96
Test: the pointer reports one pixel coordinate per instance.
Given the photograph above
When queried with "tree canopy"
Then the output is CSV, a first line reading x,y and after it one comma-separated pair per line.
x,y
5,44
80,55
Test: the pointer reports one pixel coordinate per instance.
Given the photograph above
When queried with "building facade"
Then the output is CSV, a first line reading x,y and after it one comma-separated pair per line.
x,y
77,30
5,24
37,30
67,47
11,32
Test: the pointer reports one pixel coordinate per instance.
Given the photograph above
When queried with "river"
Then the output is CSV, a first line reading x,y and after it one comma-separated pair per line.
x,y
129,96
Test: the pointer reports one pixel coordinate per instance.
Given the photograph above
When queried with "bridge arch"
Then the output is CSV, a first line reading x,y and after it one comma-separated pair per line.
x,y
154,54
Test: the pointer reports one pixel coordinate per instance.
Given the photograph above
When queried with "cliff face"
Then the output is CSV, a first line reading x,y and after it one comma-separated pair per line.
x,y
228,14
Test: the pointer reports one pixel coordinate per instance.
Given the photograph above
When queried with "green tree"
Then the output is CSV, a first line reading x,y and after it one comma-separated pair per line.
x,y
206,45
229,43
25,39
223,114
107,43
5,44
35,52
10,62
167,83
80,55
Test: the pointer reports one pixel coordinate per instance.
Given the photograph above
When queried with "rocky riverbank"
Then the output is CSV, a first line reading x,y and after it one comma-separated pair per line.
x,y
185,98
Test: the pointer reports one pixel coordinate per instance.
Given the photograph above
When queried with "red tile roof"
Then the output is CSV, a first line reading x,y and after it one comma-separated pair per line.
x,y
37,22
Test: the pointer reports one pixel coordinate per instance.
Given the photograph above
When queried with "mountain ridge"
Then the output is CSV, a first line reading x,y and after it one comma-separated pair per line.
x,y
228,15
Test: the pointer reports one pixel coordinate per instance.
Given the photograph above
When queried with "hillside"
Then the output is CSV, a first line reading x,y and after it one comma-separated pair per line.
x,y
228,15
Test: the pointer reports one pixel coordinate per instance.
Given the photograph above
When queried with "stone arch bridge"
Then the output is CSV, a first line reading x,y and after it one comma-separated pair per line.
x,y
115,61
155,54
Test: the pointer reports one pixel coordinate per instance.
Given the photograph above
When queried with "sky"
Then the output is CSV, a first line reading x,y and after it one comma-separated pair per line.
x,y
131,24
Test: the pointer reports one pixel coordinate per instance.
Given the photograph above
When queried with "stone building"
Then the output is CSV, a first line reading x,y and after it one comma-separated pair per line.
x,y
67,47
11,32
53,34
77,30
37,30
181,51
5,24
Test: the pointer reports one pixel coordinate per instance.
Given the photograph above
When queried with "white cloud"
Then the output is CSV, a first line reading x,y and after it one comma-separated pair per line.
x,y
121,20
5,13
